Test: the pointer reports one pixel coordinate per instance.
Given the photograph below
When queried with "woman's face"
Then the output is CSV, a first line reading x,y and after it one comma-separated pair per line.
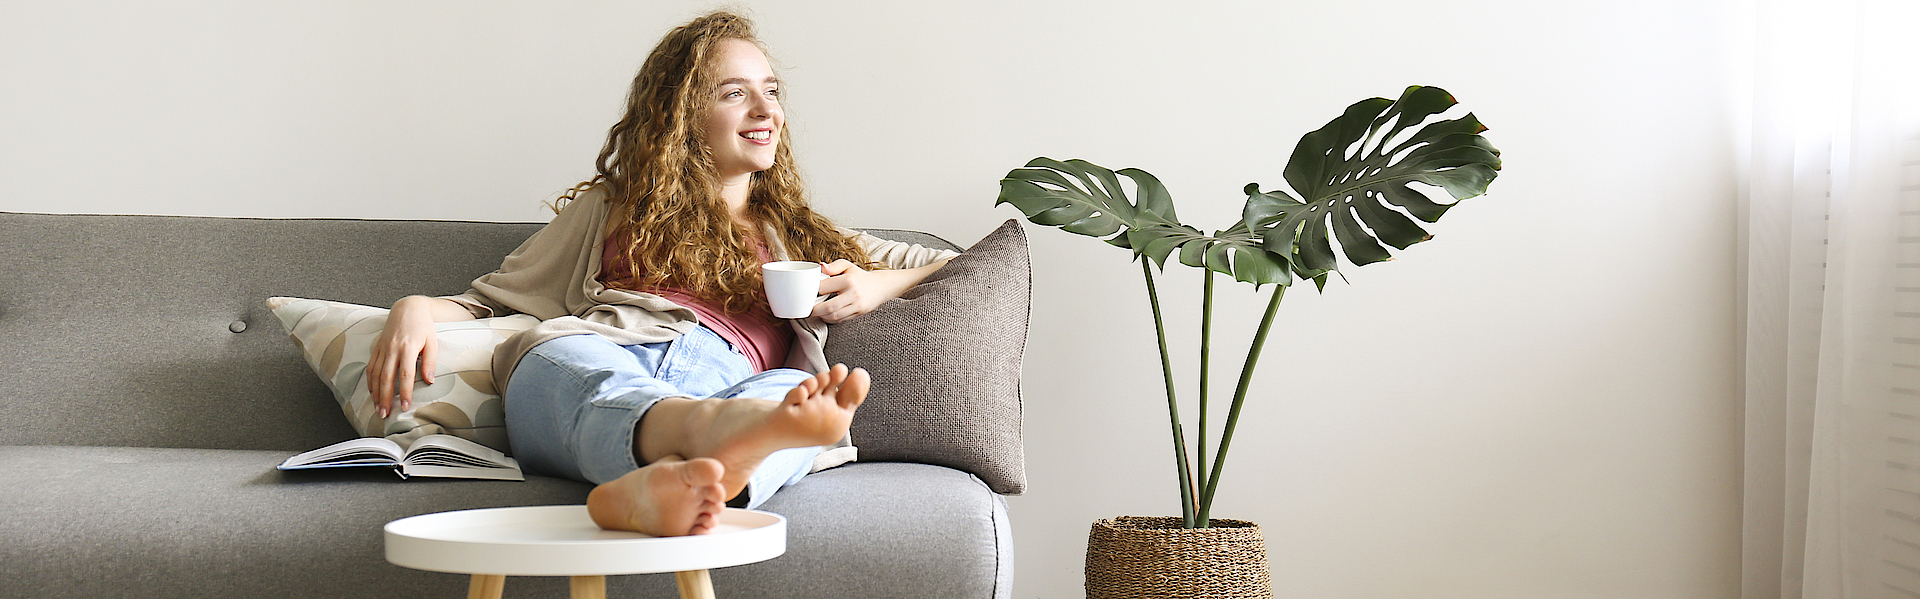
x,y
744,128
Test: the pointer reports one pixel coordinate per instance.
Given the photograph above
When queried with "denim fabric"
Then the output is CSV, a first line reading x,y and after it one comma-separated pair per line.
x,y
573,403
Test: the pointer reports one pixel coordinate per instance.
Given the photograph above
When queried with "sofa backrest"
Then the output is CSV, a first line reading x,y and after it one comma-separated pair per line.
x,y
153,331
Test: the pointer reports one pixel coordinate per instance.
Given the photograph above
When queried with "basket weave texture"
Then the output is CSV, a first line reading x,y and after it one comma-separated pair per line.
x,y
1139,556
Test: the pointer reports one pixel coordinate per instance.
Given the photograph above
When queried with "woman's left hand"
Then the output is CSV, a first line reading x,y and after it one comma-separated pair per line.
x,y
859,291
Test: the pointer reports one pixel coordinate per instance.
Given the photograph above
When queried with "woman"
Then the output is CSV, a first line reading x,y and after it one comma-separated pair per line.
x,y
658,371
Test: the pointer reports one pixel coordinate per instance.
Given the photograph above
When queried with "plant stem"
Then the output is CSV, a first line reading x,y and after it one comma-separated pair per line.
x,y
1239,400
1187,512
1206,347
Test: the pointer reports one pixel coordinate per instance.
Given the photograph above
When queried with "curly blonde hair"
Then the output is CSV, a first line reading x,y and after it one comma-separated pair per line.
x,y
664,189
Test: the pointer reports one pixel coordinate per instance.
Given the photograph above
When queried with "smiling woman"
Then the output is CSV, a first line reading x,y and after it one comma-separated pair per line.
x,y
743,128
690,203
658,371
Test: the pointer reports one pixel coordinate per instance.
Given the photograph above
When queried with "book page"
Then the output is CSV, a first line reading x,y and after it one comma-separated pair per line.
x,y
461,472
445,444
365,451
450,456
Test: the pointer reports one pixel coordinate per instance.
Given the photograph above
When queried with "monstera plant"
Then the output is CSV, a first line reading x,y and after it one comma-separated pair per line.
x,y
1353,182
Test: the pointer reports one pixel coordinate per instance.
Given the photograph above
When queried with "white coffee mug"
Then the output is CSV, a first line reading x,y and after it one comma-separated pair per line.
x,y
792,287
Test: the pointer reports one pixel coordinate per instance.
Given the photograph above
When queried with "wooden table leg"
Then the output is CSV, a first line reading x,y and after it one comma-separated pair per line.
x,y
589,587
694,584
487,586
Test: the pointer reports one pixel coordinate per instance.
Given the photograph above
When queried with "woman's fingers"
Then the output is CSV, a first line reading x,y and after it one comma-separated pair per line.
x,y
391,372
835,284
383,392
836,267
841,276
378,381
402,384
407,346
838,309
427,351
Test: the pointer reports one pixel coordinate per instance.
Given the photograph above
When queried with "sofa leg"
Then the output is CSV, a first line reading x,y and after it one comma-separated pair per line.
x,y
487,586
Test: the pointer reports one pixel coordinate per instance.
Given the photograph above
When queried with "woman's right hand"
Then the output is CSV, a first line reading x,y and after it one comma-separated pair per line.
x,y
406,349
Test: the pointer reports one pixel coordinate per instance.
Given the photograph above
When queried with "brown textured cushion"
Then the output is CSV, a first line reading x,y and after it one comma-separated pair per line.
x,y
945,360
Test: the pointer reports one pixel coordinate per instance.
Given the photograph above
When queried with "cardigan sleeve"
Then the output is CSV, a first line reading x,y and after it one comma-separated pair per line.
x,y
538,277
898,254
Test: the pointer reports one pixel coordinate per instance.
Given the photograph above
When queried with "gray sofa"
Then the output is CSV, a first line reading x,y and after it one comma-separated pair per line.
x,y
146,394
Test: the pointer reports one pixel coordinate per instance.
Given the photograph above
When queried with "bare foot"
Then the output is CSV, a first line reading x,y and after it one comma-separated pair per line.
x,y
742,432
668,498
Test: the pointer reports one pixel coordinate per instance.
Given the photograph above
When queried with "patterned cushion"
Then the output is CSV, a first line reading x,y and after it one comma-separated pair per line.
x,y
945,359
336,339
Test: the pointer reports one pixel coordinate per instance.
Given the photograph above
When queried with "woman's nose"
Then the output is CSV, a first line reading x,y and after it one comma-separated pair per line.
x,y
765,107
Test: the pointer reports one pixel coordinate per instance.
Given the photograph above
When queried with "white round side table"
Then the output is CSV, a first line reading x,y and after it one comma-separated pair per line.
x,y
561,540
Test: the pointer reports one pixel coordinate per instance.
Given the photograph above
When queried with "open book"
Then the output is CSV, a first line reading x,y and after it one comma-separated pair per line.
x,y
433,455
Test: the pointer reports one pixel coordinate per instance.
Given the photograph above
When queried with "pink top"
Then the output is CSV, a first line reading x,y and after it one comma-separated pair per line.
x,y
756,334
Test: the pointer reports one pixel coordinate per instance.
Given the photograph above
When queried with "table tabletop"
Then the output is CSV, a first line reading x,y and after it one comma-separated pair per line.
x,y
562,540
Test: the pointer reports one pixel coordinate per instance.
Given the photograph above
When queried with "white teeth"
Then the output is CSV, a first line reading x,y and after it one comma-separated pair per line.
x,y
759,134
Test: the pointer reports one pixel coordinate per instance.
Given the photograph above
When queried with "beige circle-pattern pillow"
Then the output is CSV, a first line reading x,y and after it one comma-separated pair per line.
x,y
337,338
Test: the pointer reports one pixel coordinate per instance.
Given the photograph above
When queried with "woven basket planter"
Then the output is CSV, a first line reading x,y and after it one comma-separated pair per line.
x,y
1130,557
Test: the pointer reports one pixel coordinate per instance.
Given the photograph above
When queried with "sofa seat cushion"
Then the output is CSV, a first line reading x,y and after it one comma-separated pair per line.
x,y
908,530
108,521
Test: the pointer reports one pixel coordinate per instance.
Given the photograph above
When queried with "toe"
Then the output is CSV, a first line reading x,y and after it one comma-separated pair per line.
x,y
704,523
806,389
701,472
854,391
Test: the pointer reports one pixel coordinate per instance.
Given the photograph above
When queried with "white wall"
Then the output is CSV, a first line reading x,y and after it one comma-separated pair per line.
x,y
1540,403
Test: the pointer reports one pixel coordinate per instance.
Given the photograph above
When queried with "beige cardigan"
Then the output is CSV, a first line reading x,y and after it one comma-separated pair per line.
x,y
554,276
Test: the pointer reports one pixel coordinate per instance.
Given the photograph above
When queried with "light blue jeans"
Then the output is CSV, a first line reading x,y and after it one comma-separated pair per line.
x,y
574,403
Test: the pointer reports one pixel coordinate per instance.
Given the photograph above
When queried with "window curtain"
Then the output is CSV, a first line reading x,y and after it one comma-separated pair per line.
x,y
1829,280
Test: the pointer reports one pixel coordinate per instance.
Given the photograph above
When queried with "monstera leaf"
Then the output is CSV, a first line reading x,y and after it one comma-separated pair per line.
x,y
1098,206
1352,183
1350,171
1237,252
1355,175
1081,197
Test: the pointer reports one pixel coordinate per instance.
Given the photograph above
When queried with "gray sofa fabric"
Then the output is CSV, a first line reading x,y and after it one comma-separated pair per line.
x,y
146,394
99,312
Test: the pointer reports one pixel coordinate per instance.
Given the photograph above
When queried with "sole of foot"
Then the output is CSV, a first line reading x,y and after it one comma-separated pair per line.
x,y
667,498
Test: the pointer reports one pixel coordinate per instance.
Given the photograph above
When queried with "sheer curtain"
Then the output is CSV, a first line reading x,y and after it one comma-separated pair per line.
x,y
1830,260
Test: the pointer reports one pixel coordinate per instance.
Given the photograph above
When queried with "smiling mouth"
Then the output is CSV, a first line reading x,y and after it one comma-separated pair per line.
x,y
758,135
